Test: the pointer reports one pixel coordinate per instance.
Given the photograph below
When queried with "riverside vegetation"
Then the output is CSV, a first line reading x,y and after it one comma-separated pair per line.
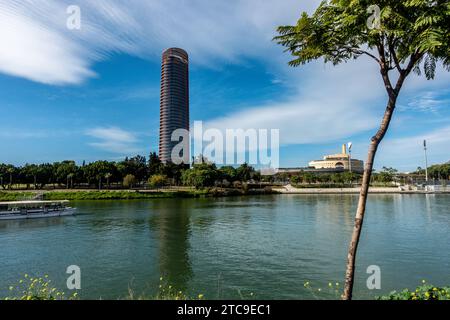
x,y
42,288
131,173
139,173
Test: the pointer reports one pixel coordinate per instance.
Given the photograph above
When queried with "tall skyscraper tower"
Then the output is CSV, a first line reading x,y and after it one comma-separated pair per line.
x,y
174,108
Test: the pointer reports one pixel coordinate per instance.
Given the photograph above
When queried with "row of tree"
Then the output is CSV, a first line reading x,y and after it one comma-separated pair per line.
x,y
437,171
385,175
130,172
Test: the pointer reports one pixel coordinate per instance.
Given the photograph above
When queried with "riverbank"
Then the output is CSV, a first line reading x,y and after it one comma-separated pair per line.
x,y
187,193
372,190
123,194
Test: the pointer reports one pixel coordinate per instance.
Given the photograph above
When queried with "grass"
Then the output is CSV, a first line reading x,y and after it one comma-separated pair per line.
x,y
117,195
15,196
165,292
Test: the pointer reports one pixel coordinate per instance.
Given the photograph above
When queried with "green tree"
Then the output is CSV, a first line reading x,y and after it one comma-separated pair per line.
x,y
154,164
29,173
228,173
129,181
108,176
157,181
65,171
136,166
11,171
96,171
173,171
386,175
245,172
200,176
409,36
45,174
295,179
7,174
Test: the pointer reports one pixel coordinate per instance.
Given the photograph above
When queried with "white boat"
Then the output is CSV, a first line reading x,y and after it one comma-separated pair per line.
x,y
34,209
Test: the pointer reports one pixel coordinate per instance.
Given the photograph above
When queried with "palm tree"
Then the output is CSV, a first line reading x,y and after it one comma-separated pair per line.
x,y
108,176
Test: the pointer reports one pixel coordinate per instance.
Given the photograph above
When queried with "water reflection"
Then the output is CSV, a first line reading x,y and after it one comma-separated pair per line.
x,y
34,223
171,223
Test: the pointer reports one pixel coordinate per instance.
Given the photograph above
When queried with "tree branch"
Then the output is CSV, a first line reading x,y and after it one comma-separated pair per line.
x,y
384,69
415,57
394,55
359,51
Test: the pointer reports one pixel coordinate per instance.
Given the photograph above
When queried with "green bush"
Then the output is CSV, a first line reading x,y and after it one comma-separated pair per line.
x,y
423,292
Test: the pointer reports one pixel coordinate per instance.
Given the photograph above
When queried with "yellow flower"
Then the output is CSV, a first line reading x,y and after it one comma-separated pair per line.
x,y
200,296
423,281
330,285
11,288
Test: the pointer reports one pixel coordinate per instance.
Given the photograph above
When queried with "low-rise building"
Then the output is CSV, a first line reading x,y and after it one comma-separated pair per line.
x,y
341,161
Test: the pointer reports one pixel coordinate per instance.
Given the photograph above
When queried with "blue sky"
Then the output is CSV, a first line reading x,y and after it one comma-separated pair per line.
x,y
93,93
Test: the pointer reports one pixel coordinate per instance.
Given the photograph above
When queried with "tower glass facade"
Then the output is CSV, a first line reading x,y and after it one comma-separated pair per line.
x,y
174,104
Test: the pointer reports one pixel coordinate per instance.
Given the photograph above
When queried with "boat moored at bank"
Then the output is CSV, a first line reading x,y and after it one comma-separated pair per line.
x,y
34,209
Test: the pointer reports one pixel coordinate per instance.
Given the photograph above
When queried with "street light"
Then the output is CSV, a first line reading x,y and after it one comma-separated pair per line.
x,y
349,156
426,160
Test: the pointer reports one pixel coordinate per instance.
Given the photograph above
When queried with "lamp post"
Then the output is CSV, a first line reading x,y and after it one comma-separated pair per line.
x,y
350,157
426,159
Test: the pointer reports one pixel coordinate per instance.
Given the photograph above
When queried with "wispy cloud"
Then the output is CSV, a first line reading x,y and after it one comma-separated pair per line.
x,y
37,45
427,101
114,140
408,151
31,50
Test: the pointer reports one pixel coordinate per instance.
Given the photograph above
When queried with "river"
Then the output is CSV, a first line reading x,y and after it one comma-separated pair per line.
x,y
262,247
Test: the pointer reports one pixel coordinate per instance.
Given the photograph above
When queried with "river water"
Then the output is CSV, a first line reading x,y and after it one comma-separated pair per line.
x,y
262,247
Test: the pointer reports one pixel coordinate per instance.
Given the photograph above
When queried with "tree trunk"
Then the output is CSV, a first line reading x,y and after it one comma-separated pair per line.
x,y
375,141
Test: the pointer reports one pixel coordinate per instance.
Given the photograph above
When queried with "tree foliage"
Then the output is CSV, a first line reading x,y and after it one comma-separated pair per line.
x,y
127,173
412,35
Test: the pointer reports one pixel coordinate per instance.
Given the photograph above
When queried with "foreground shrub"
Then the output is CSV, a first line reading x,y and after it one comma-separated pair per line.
x,y
30,288
423,292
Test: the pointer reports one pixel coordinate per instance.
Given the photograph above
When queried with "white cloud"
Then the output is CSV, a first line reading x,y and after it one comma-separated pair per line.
x,y
31,51
333,105
408,151
113,139
37,45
